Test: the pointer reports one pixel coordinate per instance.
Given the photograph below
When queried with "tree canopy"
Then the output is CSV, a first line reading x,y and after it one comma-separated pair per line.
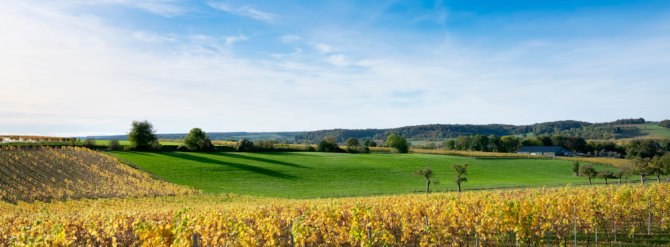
x,y
397,142
197,140
142,136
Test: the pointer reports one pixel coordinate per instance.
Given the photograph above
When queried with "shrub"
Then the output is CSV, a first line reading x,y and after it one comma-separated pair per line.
x,y
114,145
89,143
665,123
398,142
244,145
328,144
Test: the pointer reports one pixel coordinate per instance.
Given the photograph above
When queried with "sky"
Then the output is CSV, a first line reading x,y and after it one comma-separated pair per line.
x,y
91,67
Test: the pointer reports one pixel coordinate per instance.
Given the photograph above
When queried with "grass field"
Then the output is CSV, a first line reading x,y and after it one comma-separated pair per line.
x,y
306,175
654,130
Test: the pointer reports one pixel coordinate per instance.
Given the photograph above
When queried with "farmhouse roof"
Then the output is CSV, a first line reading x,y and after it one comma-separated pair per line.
x,y
541,149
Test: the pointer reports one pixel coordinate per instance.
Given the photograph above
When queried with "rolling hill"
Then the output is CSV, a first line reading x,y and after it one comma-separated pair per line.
x,y
44,174
308,175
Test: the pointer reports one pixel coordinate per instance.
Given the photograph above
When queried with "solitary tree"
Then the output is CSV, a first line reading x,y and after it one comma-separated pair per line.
x,y
427,173
622,172
641,166
461,171
398,142
658,166
370,143
575,168
589,172
197,140
142,136
606,175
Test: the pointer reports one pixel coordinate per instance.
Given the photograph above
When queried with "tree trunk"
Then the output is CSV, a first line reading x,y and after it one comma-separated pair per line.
x,y
590,181
605,180
459,187
428,187
619,180
658,177
642,179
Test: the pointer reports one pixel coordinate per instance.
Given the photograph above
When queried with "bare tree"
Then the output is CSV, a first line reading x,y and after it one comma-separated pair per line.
x,y
606,175
427,173
588,171
461,171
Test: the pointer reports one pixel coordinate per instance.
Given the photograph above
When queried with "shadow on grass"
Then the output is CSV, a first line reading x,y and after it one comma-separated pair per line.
x,y
254,158
255,169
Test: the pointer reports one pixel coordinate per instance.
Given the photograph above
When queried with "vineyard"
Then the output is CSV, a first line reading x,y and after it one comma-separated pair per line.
x,y
605,214
44,174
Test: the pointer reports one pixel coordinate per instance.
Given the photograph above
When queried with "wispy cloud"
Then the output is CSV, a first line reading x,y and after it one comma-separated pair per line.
x,y
338,60
167,8
153,37
289,38
55,61
246,11
230,40
323,48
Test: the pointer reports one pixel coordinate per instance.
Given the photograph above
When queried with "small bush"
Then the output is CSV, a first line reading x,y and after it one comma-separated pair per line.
x,y
244,145
89,143
329,145
114,145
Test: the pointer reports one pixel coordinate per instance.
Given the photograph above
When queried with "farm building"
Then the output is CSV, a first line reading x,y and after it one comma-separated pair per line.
x,y
549,151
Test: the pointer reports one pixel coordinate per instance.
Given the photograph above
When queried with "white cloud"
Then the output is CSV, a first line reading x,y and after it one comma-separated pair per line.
x,y
230,40
246,11
289,38
166,8
323,48
153,37
338,60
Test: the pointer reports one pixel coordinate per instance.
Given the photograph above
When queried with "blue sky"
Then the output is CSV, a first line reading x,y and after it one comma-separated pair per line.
x,y
80,67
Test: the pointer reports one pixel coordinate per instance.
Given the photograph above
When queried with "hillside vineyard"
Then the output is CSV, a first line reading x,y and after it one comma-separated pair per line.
x,y
490,218
45,173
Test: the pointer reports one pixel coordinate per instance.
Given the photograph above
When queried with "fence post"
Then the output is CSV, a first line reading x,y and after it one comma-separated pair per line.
x,y
596,235
195,240
546,238
290,231
615,232
649,218
574,222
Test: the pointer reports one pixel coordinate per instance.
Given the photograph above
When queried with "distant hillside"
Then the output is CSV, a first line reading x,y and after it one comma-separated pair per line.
x,y
619,129
44,174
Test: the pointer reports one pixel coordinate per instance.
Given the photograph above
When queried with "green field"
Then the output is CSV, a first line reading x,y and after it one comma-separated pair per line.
x,y
654,130
305,175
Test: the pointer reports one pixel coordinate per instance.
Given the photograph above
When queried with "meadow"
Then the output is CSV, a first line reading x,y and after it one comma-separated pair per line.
x,y
311,174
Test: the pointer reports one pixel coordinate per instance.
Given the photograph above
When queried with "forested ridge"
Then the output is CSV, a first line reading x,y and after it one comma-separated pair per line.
x,y
611,130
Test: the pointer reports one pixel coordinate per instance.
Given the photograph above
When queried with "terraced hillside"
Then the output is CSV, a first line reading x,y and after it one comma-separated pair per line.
x,y
44,174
